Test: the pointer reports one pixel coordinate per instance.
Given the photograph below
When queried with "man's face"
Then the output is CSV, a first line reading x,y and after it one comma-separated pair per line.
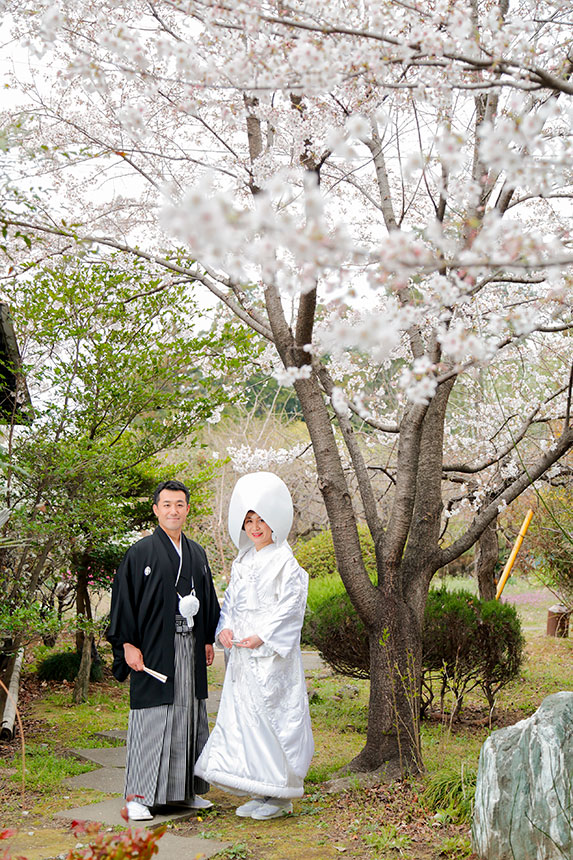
x,y
171,510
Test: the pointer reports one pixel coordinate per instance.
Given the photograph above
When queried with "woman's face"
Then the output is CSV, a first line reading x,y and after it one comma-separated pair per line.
x,y
257,530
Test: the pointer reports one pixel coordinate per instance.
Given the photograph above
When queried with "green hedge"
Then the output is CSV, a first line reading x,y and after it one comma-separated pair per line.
x,y
334,629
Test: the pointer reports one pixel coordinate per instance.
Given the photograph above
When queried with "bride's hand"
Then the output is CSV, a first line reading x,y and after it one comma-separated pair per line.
x,y
250,642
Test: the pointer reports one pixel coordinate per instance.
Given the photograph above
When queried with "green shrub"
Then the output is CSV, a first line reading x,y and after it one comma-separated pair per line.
x,y
64,666
468,643
501,645
317,554
449,647
322,589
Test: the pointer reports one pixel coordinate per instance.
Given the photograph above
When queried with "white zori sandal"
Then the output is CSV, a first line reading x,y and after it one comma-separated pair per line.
x,y
137,811
274,807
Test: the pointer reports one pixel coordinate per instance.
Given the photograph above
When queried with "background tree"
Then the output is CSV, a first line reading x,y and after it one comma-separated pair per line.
x,y
114,383
377,190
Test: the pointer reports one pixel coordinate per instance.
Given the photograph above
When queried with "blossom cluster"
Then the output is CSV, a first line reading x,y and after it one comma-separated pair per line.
x,y
246,459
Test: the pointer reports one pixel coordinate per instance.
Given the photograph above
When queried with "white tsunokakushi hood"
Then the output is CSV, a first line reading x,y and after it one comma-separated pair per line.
x,y
268,496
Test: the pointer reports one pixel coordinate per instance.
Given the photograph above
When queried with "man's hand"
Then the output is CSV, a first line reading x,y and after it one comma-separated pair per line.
x,y
209,654
133,657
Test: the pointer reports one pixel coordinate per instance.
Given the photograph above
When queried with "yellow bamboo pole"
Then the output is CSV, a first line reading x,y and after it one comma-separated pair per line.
x,y
509,563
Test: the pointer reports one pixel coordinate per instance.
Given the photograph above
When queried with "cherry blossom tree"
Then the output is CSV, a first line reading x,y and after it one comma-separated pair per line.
x,y
380,191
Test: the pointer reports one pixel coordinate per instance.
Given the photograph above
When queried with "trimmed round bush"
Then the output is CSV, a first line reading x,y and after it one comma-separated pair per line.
x,y
337,632
450,628
64,666
317,554
501,646
468,643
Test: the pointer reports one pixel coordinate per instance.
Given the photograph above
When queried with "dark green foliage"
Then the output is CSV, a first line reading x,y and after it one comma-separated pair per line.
x,y
337,632
117,382
64,666
467,643
449,657
501,645
263,393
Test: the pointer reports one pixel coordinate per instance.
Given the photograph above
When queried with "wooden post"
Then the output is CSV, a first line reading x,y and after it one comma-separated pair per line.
x,y
7,728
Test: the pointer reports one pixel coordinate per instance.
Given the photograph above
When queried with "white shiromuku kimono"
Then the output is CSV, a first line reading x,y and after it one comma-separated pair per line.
x,y
262,742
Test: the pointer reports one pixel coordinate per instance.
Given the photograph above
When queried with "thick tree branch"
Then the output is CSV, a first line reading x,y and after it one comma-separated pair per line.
x,y
374,144
399,521
305,324
365,488
426,514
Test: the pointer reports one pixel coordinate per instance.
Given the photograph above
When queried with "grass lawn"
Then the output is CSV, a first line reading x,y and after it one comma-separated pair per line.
x,y
422,819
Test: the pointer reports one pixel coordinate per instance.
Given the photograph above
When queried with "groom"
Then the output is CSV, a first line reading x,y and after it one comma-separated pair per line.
x,y
166,649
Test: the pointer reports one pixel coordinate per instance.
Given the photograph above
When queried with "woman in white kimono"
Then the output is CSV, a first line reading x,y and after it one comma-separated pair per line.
x,y
262,742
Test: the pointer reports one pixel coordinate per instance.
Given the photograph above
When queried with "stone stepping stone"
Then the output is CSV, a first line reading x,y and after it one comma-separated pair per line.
x,y
172,847
108,812
113,735
110,780
104,756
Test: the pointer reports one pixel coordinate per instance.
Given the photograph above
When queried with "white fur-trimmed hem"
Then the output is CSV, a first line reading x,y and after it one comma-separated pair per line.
x,y
241,786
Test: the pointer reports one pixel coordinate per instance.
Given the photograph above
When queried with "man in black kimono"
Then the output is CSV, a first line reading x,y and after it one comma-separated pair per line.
x,y
164,638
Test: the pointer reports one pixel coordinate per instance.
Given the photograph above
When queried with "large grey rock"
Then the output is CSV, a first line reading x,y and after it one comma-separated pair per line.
x,y
524,796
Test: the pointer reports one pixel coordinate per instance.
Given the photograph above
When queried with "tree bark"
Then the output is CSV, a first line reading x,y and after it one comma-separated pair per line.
x,y
9,710
393,621
83,603
82,683
487,553
8,656
393,734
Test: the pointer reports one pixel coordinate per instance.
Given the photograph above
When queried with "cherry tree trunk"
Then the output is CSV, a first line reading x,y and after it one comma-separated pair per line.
x,y
394,626
393,735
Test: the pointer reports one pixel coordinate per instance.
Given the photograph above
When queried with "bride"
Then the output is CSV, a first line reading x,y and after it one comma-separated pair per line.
x,y
262,741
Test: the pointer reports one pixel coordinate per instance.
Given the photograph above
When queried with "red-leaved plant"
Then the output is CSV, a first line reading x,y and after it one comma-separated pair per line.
x,y
131,844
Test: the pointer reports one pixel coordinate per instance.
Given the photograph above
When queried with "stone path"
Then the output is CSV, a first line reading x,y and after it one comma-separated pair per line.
x,y
109,779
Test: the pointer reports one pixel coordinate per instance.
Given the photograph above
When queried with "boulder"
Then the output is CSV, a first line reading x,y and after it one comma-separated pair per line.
x,y
524,795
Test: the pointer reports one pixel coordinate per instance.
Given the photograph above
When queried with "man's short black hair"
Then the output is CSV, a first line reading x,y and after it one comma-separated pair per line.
x,y
170,485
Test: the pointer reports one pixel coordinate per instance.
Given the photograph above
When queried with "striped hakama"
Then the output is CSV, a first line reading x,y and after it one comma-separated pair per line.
x,y
163,743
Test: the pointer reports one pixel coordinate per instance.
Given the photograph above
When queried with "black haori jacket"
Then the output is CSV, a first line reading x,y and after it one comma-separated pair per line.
x,y
144,603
